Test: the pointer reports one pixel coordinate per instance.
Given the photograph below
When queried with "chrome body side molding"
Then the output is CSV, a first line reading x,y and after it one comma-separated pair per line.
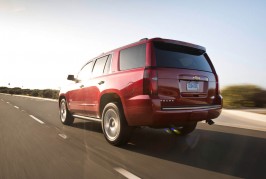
x,y
88,118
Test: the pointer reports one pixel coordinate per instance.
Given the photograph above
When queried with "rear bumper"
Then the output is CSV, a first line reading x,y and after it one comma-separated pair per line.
x,y
148,112
182,115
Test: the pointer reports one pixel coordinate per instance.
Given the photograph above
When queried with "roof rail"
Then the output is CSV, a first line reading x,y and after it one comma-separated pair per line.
x,y
143,39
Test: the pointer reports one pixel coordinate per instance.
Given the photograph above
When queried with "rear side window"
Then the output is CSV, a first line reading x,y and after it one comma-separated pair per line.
x,y
133,57
175,56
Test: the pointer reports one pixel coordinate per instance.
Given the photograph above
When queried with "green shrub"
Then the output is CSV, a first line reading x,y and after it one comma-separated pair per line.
x,y
47,93
26,91
36,93
4,89
15,90
239,96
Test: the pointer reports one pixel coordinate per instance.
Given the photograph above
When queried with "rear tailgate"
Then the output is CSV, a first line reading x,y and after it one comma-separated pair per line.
x,y
186,77
180,87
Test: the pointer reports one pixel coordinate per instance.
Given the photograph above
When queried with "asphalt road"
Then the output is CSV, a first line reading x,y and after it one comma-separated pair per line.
x,y
34,144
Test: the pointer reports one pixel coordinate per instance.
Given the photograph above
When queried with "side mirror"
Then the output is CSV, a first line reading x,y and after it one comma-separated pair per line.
x,y
71,77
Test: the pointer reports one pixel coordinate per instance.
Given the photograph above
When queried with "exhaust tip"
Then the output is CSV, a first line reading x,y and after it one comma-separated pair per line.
x,y
210,122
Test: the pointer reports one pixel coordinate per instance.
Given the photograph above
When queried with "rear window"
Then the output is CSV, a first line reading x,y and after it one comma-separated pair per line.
x,y
175,56
133,57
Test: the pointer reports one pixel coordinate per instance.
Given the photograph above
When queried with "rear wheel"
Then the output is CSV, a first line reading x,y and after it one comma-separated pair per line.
x,y
65,116
185,129
114,125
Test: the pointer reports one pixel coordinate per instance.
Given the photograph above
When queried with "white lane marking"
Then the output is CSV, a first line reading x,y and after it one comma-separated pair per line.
x,y
8,102
36,119
63,136
125,173
16,107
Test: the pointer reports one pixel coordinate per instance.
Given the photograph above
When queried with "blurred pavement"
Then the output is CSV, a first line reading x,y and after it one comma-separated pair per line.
x,y
242,119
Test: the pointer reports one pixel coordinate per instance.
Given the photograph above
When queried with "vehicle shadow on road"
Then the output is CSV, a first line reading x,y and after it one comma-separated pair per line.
x,y
91,126
231,154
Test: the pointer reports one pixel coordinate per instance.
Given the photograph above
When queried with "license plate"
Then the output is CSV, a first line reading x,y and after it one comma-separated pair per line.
x,y
193,86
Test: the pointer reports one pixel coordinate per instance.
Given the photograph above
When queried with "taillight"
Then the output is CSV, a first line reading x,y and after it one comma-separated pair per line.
x,y
150,82
217,90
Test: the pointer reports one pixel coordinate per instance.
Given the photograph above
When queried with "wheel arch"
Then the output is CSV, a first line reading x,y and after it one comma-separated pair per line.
x,y
60,98
63,96
110,97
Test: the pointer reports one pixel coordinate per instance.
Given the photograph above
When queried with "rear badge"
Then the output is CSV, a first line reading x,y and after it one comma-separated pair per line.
x,y
196,78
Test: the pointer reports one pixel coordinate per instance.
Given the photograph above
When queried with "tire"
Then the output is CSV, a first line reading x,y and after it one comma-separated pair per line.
x,y
65,116
184,130
114,125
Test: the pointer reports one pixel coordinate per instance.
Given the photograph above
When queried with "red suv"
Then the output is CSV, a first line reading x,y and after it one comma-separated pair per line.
x,y
154,82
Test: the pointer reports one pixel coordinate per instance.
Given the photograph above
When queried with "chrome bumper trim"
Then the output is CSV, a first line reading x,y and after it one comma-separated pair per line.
x,y
192,107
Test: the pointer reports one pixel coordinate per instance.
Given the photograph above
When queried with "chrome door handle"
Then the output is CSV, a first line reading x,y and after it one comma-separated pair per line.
x,y
101,82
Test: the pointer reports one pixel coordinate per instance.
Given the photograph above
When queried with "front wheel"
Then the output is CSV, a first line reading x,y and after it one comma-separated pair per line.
x,y
65,116
114,125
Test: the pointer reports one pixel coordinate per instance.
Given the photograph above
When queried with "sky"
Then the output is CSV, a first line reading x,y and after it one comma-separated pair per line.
x,y
41,42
